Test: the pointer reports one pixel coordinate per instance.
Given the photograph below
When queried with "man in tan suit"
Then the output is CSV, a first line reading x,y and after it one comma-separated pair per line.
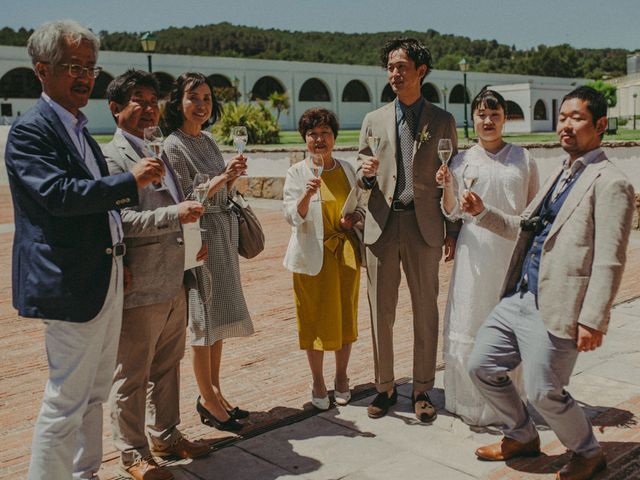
x,y
563,277
404,224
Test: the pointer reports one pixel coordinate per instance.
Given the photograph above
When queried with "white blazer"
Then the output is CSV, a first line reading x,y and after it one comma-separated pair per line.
x,y
306,245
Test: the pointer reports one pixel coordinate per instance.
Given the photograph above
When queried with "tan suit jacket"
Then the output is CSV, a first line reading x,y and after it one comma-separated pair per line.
x,y
584,254
434,123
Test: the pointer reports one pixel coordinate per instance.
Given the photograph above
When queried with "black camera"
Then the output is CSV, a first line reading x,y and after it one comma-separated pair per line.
x,y
533,224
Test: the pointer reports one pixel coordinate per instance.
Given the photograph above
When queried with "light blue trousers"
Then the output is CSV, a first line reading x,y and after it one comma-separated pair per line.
x,y
514,333
67,438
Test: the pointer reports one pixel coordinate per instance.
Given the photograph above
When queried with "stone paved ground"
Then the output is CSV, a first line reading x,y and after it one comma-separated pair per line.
x,y
265,373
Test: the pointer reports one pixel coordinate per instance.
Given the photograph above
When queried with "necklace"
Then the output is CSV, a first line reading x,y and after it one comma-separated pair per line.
x,y
333,166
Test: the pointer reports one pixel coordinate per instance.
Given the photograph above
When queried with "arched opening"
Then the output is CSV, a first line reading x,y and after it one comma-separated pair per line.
x,y
514,112
264,87
539,111
355,91
20,83
457,95
219,81
100,87
387,94
314,90
430,92
165,81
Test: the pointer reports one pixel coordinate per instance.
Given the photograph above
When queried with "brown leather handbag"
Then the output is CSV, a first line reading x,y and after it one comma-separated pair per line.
x,y
250,234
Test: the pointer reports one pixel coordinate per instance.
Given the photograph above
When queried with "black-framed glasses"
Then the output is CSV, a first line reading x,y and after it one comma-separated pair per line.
x,y
76,70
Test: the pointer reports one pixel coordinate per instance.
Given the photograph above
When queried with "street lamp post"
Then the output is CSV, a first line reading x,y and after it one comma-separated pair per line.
x,y
444,94
464,66
635,95
148,42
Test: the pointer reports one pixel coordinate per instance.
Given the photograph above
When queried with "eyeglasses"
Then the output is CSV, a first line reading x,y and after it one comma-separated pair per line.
x,y
76,70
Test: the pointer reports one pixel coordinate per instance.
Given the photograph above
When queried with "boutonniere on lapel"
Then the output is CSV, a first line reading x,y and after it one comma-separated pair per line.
x,y
424,136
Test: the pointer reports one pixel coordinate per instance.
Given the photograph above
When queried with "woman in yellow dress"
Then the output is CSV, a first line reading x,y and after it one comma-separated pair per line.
x,y
323,254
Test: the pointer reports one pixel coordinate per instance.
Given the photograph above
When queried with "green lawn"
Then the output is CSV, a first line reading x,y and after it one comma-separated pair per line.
x,y
350,137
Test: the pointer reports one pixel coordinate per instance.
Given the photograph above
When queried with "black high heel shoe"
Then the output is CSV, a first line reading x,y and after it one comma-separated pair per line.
x,y
207,418
238,413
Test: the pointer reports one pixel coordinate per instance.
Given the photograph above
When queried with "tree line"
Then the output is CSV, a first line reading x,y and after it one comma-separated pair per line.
x,y
227,40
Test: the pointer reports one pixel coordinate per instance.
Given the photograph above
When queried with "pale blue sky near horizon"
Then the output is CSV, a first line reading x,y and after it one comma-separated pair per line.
x,y
525,24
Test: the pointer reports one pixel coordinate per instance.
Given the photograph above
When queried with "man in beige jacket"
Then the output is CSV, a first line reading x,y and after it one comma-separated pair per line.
x,y
563,277
404,223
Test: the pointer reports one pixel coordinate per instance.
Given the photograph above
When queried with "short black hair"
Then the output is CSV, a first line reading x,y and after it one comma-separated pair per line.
x,y
119,89
489,98
415,50
318,117
596,102
172,117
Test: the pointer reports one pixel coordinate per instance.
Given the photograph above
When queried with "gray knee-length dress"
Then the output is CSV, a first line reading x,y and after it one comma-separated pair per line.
x,y
217,310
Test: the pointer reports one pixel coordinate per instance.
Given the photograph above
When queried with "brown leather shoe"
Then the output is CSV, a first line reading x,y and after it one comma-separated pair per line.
x,y
508,448
425,411
581,468
147,469
380,405
183,448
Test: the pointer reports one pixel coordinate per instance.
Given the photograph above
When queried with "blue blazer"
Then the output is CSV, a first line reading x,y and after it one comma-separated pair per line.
x,y
60,267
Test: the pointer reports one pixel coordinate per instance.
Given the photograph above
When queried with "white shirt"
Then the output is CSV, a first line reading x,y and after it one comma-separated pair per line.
x,y
141,148
75,128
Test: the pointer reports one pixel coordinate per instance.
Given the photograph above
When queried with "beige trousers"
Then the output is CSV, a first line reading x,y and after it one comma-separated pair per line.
x,y
146,383
402,243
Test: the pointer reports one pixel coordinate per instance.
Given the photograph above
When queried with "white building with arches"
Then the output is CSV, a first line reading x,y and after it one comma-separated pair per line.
x,y
349,90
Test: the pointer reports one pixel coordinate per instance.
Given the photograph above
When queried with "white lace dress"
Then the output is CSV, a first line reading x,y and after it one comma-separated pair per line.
x,y
508,180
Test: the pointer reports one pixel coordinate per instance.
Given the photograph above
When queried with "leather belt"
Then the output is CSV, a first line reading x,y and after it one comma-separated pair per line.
x,y
118,250
398,206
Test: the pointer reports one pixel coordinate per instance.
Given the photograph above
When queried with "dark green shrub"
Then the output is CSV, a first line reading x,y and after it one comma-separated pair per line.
x,y
261,125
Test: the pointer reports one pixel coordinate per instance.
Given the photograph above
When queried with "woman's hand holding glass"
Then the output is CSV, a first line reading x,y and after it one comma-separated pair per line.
x,y
236,166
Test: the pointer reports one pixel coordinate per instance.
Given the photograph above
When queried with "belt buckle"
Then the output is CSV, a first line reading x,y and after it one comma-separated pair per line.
x,y
118,250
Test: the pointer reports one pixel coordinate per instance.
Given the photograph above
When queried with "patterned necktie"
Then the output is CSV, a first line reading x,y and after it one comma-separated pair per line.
x,y
405,175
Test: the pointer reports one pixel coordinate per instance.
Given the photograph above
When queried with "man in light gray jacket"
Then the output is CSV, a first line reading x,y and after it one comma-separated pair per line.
x,y
152,340
564,275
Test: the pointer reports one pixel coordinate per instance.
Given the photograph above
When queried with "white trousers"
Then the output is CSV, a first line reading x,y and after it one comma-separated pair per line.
x,y
67,438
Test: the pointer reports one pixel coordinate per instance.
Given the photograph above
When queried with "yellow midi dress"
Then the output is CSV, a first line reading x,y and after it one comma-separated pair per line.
x,y
327,303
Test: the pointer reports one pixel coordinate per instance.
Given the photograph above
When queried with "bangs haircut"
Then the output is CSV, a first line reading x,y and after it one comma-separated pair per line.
x,y
489,99
318,117
172,117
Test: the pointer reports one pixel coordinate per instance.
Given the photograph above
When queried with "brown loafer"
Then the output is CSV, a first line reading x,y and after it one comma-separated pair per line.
x,y
425,411
183,448
147,469
582,468
508,448
380,405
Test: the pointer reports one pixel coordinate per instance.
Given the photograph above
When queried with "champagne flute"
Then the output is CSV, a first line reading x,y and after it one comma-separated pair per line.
x,y
240,138
316,165
154,141
374,143
201,189
444,152
470,176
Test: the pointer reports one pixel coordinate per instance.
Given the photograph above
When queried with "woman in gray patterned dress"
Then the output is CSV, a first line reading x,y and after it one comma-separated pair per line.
x,y
217,309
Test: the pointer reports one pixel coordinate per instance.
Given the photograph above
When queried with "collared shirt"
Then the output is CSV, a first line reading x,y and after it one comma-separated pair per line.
x,y
416,107
75,127
569,169
141,149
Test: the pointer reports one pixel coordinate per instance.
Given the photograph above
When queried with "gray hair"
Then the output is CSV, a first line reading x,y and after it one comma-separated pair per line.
x,y
47,43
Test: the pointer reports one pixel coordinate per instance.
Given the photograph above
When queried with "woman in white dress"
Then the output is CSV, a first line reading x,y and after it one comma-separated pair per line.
x,y
508,180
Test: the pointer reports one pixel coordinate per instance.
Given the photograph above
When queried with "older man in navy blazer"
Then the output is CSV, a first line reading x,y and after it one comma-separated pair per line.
x,y
67,265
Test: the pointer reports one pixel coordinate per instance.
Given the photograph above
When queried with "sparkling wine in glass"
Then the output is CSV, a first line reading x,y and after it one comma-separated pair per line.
x,y
154,141
470,176
240,138
201,189
316,163
374,143
444,152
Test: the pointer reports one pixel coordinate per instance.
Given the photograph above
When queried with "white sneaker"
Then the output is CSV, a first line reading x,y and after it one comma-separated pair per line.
x,y
342,398
321,403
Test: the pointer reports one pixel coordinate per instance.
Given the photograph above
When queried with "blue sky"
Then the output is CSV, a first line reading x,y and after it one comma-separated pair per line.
x,y
581,23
